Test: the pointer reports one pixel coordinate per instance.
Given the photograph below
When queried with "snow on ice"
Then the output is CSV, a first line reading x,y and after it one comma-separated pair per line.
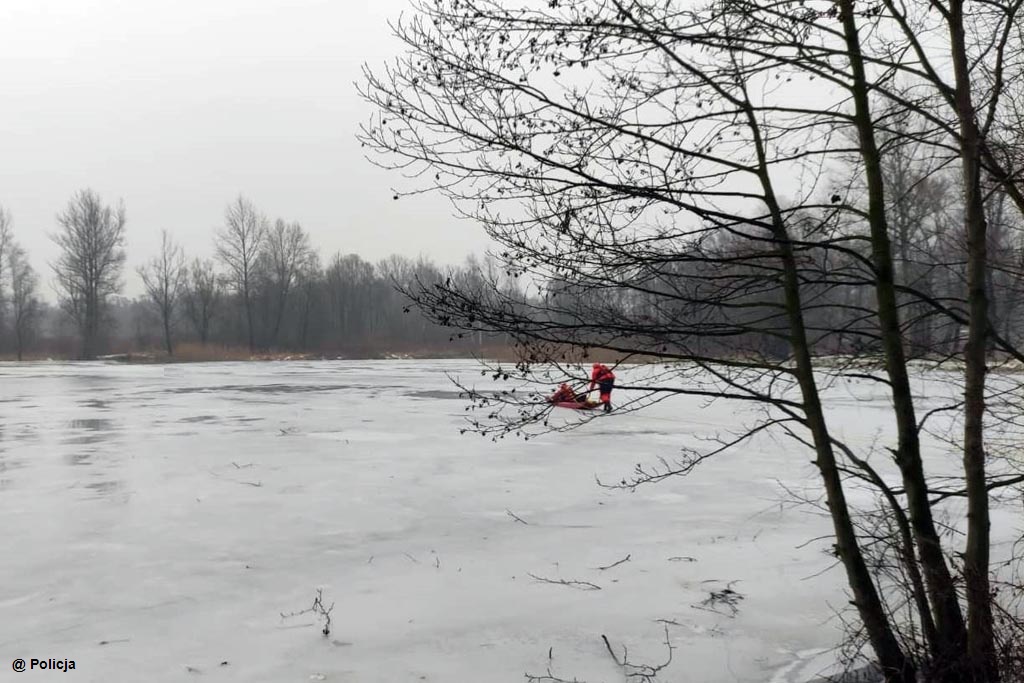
x,y
160,520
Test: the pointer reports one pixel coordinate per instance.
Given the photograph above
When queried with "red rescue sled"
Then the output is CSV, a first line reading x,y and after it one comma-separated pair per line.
x,y
576,405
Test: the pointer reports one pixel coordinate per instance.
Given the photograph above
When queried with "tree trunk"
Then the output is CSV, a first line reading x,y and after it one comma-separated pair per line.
x,y
90,327
279,315
951,632
980,639
893,662
304,335
167,335
896,666
248,322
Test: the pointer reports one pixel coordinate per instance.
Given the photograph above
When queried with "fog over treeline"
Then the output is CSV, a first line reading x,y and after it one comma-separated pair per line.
x,y
263,287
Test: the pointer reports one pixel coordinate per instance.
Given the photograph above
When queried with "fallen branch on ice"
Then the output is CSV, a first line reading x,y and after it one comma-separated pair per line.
x,y
616,564
726,598
647,673
256,484
549,678
516,517
582,585
643,673
318,609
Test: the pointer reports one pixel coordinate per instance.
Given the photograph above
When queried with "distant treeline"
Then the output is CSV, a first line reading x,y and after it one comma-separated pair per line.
x,y
265,289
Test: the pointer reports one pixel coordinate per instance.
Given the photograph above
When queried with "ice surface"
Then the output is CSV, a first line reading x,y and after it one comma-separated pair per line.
x,y
157,520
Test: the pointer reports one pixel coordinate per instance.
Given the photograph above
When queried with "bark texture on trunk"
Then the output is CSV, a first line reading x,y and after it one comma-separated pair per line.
x,y
981,653
948,617
897,667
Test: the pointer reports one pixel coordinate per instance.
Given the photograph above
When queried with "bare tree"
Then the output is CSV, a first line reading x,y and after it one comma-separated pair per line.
x,y
5,246
239,245
639,156
286,253
24,299
164,279
88,271
309,281
350,293
202,297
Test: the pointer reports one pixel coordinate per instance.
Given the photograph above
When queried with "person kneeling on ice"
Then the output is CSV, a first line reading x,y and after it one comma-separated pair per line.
x,y
564,394
604,378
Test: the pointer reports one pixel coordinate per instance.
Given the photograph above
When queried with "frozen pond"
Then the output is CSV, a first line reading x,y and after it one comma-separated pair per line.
x,y
158,520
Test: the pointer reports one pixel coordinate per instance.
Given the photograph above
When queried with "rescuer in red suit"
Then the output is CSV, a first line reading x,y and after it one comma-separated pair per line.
x,y
604,378
565,394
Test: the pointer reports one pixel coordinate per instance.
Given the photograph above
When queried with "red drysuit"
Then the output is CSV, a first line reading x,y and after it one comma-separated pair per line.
x,y
604,378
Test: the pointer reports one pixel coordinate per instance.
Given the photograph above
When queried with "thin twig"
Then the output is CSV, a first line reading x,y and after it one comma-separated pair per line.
x,y
515,517
316,608
615,564
582,585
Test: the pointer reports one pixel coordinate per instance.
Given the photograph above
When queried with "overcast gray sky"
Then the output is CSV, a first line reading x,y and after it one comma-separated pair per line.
x,y
177,106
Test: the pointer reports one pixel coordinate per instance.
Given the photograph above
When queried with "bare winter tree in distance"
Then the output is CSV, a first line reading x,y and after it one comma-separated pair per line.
x,y
309,279
717,186
24,297
88,271
6,241
239,244
164,278
202,297
285,254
